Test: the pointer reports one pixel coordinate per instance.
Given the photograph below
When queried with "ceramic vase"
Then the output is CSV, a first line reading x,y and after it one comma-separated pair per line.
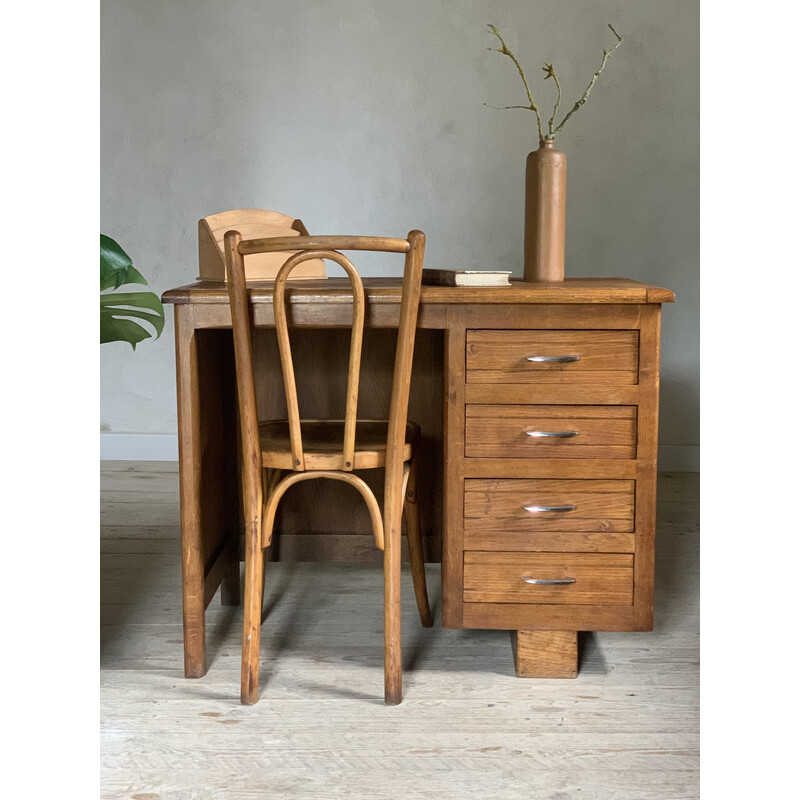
x,y
545,213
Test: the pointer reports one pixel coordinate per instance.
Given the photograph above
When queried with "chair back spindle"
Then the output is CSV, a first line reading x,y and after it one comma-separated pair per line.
x,y
287,365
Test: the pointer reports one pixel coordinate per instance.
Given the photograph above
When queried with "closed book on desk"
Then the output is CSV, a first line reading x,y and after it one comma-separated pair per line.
x,y
252,223
465,277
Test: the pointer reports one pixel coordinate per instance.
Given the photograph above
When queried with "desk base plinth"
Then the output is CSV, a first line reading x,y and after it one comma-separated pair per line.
x,y
545,654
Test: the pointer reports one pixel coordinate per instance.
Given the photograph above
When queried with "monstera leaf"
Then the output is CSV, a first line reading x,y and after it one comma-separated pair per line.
x,y
122,313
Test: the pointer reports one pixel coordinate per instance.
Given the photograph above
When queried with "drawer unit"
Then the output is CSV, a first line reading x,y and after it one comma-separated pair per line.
x,y
551,472
585,357
550,431
559,578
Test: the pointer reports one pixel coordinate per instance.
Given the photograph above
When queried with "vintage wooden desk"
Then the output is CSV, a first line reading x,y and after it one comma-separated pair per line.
x,y
541,407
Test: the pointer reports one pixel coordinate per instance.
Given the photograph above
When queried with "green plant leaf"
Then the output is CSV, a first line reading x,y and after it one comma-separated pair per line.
x,y
121,330
122,313
116,267
118,312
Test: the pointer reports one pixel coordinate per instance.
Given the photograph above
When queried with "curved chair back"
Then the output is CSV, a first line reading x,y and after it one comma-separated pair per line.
x,y
305,248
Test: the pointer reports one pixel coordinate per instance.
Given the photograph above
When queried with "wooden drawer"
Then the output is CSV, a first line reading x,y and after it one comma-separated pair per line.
x,y
548,505
596,578
540,431
585,357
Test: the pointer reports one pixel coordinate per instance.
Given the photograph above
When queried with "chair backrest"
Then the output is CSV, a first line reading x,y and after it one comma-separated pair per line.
x,y
310,247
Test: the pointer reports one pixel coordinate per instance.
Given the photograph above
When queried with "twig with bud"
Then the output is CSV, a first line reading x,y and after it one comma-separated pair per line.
x,y
549,70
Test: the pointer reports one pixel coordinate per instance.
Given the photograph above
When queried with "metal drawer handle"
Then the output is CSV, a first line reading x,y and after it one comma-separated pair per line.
x,y
536,509
552,434
553,359
547,581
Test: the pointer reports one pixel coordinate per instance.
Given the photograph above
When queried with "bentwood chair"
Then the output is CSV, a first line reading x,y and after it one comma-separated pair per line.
x,y
277,454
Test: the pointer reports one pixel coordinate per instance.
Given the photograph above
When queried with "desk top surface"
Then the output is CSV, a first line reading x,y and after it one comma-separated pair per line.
x,y
388,290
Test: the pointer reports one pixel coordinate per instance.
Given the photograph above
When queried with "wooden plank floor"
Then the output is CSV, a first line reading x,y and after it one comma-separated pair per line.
x,y
626,729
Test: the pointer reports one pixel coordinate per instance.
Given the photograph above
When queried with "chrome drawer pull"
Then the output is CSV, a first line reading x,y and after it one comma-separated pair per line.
x,y
547,581
553,359
552,434
536,509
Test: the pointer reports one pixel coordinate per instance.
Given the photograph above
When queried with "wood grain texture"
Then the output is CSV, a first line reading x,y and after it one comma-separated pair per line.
x,y
644,574
498,428
282,461
189,442
602,357
545,654
250,223
548,616
478,537
394,487
598,578
549,468
287,364
453,488
251,468
550,431
321,370
520,505
209,483
550,393
388,290
612,321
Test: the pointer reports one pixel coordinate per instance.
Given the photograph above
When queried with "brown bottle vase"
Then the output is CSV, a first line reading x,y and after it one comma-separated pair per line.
x,y
545,213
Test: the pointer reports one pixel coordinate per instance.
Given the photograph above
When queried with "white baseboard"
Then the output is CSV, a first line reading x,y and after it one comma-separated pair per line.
x,y
164,447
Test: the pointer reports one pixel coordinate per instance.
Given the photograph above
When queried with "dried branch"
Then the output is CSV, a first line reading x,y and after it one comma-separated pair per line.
x,y
606,55
551,73
506,52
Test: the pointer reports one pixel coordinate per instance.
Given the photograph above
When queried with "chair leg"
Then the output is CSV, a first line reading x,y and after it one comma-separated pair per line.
x,y
392,617
272,477
253,600
415,551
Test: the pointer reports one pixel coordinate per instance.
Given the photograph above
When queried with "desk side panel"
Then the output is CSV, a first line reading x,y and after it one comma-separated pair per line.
x,y
210,512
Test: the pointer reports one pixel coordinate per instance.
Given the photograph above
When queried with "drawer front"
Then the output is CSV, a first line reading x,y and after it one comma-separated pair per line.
x,y
540,431
530,506
583,578
585,357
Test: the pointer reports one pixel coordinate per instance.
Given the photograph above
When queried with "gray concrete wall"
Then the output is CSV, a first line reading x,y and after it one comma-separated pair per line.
x,y
371,116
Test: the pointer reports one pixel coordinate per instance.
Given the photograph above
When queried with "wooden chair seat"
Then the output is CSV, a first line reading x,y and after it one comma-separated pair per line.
x,y
322,443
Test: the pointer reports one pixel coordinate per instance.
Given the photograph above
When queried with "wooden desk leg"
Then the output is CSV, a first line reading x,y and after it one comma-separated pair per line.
x,y
210,499
192,550
545,654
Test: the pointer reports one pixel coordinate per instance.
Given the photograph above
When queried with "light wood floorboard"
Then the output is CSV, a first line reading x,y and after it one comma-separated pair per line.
x,y
626,729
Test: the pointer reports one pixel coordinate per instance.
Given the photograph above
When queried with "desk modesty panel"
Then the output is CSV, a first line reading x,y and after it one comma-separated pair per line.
x,y
545,442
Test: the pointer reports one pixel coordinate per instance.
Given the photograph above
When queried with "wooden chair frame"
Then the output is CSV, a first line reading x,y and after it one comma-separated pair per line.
x,y
264,488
